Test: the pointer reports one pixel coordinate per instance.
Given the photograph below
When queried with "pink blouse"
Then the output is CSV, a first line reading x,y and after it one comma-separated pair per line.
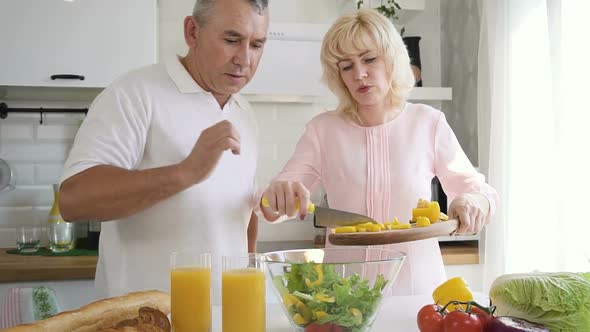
x,y
382,171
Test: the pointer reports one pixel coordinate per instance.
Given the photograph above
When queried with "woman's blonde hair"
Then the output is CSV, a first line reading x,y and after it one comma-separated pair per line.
x,y
354,33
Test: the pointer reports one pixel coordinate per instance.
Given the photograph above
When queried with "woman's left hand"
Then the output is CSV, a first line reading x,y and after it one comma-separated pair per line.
x,y
471,210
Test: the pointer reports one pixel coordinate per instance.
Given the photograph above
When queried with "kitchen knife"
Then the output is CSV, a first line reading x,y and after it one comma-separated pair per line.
x,y
326,217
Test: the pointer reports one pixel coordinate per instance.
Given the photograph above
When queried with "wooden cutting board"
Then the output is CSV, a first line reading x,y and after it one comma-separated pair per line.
x,y
441,228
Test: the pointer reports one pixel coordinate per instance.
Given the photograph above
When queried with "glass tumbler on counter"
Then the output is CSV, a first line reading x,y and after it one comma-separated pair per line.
x,y
61,236
28,238
190,294
243,290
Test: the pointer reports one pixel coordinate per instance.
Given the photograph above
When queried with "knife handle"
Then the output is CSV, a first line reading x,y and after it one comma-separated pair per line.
x,y
311,209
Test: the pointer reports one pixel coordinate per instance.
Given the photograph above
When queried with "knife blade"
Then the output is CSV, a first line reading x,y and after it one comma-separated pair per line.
x,y
326,217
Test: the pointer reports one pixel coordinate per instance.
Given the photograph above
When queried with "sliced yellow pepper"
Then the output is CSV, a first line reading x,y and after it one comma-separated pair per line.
x,y
432,212
345,229
325,298
374,228
402,226
444,217
301,313
320,314
319,280
422,222
422,203
454,289
357,315
299,319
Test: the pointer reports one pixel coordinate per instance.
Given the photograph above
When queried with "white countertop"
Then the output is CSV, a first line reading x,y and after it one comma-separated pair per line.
x,y
397,313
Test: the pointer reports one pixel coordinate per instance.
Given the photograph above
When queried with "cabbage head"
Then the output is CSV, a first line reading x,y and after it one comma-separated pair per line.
x,y
560,301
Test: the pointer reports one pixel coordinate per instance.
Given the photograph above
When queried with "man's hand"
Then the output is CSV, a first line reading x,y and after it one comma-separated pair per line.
x,y
471,210
206,153
285,198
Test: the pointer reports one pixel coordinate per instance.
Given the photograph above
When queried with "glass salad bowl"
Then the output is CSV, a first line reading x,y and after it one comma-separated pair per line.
x,y
333,289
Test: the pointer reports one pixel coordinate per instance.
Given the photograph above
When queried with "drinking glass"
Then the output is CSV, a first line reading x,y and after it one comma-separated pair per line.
x,y
243,293
61,236
190,294
28,238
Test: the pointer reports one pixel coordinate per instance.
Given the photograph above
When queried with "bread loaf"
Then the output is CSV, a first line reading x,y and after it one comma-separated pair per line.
x,y
102,314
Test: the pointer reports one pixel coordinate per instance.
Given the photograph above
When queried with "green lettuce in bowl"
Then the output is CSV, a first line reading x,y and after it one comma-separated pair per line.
x,y
333,289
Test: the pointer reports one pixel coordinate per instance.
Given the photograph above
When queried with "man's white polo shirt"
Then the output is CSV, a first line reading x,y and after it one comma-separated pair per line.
x,y
152,117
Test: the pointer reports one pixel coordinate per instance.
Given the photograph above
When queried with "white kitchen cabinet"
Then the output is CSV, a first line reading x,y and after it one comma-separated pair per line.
x,y
96,39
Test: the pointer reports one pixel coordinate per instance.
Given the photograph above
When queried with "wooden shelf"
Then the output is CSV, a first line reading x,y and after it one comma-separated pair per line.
x,y
460,253
21,268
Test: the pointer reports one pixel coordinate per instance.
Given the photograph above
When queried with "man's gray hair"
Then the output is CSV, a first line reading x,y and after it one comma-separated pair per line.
x,y
204,9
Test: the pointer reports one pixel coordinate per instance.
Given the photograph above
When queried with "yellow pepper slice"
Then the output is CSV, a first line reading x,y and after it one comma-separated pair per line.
x,y
320,314
432,212
301,313
444,217
319,280
325,298
374,228
422,222
402,226
357,315
454,289
345,229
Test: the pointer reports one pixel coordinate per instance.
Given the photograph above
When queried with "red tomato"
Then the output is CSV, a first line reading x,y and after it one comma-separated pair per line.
x,y
483,316
460,321
315,327
430,319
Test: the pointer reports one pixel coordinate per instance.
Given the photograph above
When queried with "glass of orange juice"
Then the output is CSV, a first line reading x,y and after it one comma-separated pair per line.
x,y
190,293
243,293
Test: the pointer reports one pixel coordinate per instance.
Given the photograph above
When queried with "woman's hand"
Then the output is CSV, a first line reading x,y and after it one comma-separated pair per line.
x,y
471,210
284,198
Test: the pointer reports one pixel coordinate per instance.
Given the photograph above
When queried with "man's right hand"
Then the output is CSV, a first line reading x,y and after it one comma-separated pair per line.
x,y
206,153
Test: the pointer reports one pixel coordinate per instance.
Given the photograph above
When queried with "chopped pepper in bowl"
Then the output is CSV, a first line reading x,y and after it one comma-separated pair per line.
x,y
333,289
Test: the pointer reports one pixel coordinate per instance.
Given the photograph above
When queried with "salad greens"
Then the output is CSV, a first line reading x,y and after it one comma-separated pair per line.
x,y
316,293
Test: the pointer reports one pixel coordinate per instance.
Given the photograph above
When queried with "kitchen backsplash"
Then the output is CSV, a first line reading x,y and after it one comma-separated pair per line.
x,y
37,152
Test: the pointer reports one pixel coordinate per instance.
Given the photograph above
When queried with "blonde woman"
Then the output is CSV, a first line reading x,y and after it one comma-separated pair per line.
x,y
377,153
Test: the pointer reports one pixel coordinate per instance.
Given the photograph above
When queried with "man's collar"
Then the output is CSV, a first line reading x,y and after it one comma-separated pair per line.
x,y
186,84
181,77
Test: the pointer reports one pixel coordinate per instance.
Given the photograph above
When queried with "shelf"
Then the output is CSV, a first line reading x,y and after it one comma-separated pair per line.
x,y
431,93
411,4
405,4
419,93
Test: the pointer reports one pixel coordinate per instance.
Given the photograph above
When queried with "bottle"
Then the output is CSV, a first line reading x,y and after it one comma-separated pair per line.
x,y
93,235
54,215
61,233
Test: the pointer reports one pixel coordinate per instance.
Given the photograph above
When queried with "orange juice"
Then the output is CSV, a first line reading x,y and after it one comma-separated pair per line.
x,y
244,301
191,299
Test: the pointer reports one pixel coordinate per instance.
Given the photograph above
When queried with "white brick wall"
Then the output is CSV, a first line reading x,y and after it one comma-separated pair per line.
x,y
37,153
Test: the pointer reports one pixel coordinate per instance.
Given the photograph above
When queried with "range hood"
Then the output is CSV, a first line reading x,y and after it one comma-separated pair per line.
x,y
290,69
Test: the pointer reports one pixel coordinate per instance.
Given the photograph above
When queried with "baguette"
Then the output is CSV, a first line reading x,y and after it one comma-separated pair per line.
x,y
100,315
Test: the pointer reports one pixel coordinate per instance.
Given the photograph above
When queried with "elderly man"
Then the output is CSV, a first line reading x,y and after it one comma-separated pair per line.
x,y
168,153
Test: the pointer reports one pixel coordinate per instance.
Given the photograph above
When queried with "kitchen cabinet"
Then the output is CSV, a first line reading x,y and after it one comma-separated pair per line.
x,y
86,43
